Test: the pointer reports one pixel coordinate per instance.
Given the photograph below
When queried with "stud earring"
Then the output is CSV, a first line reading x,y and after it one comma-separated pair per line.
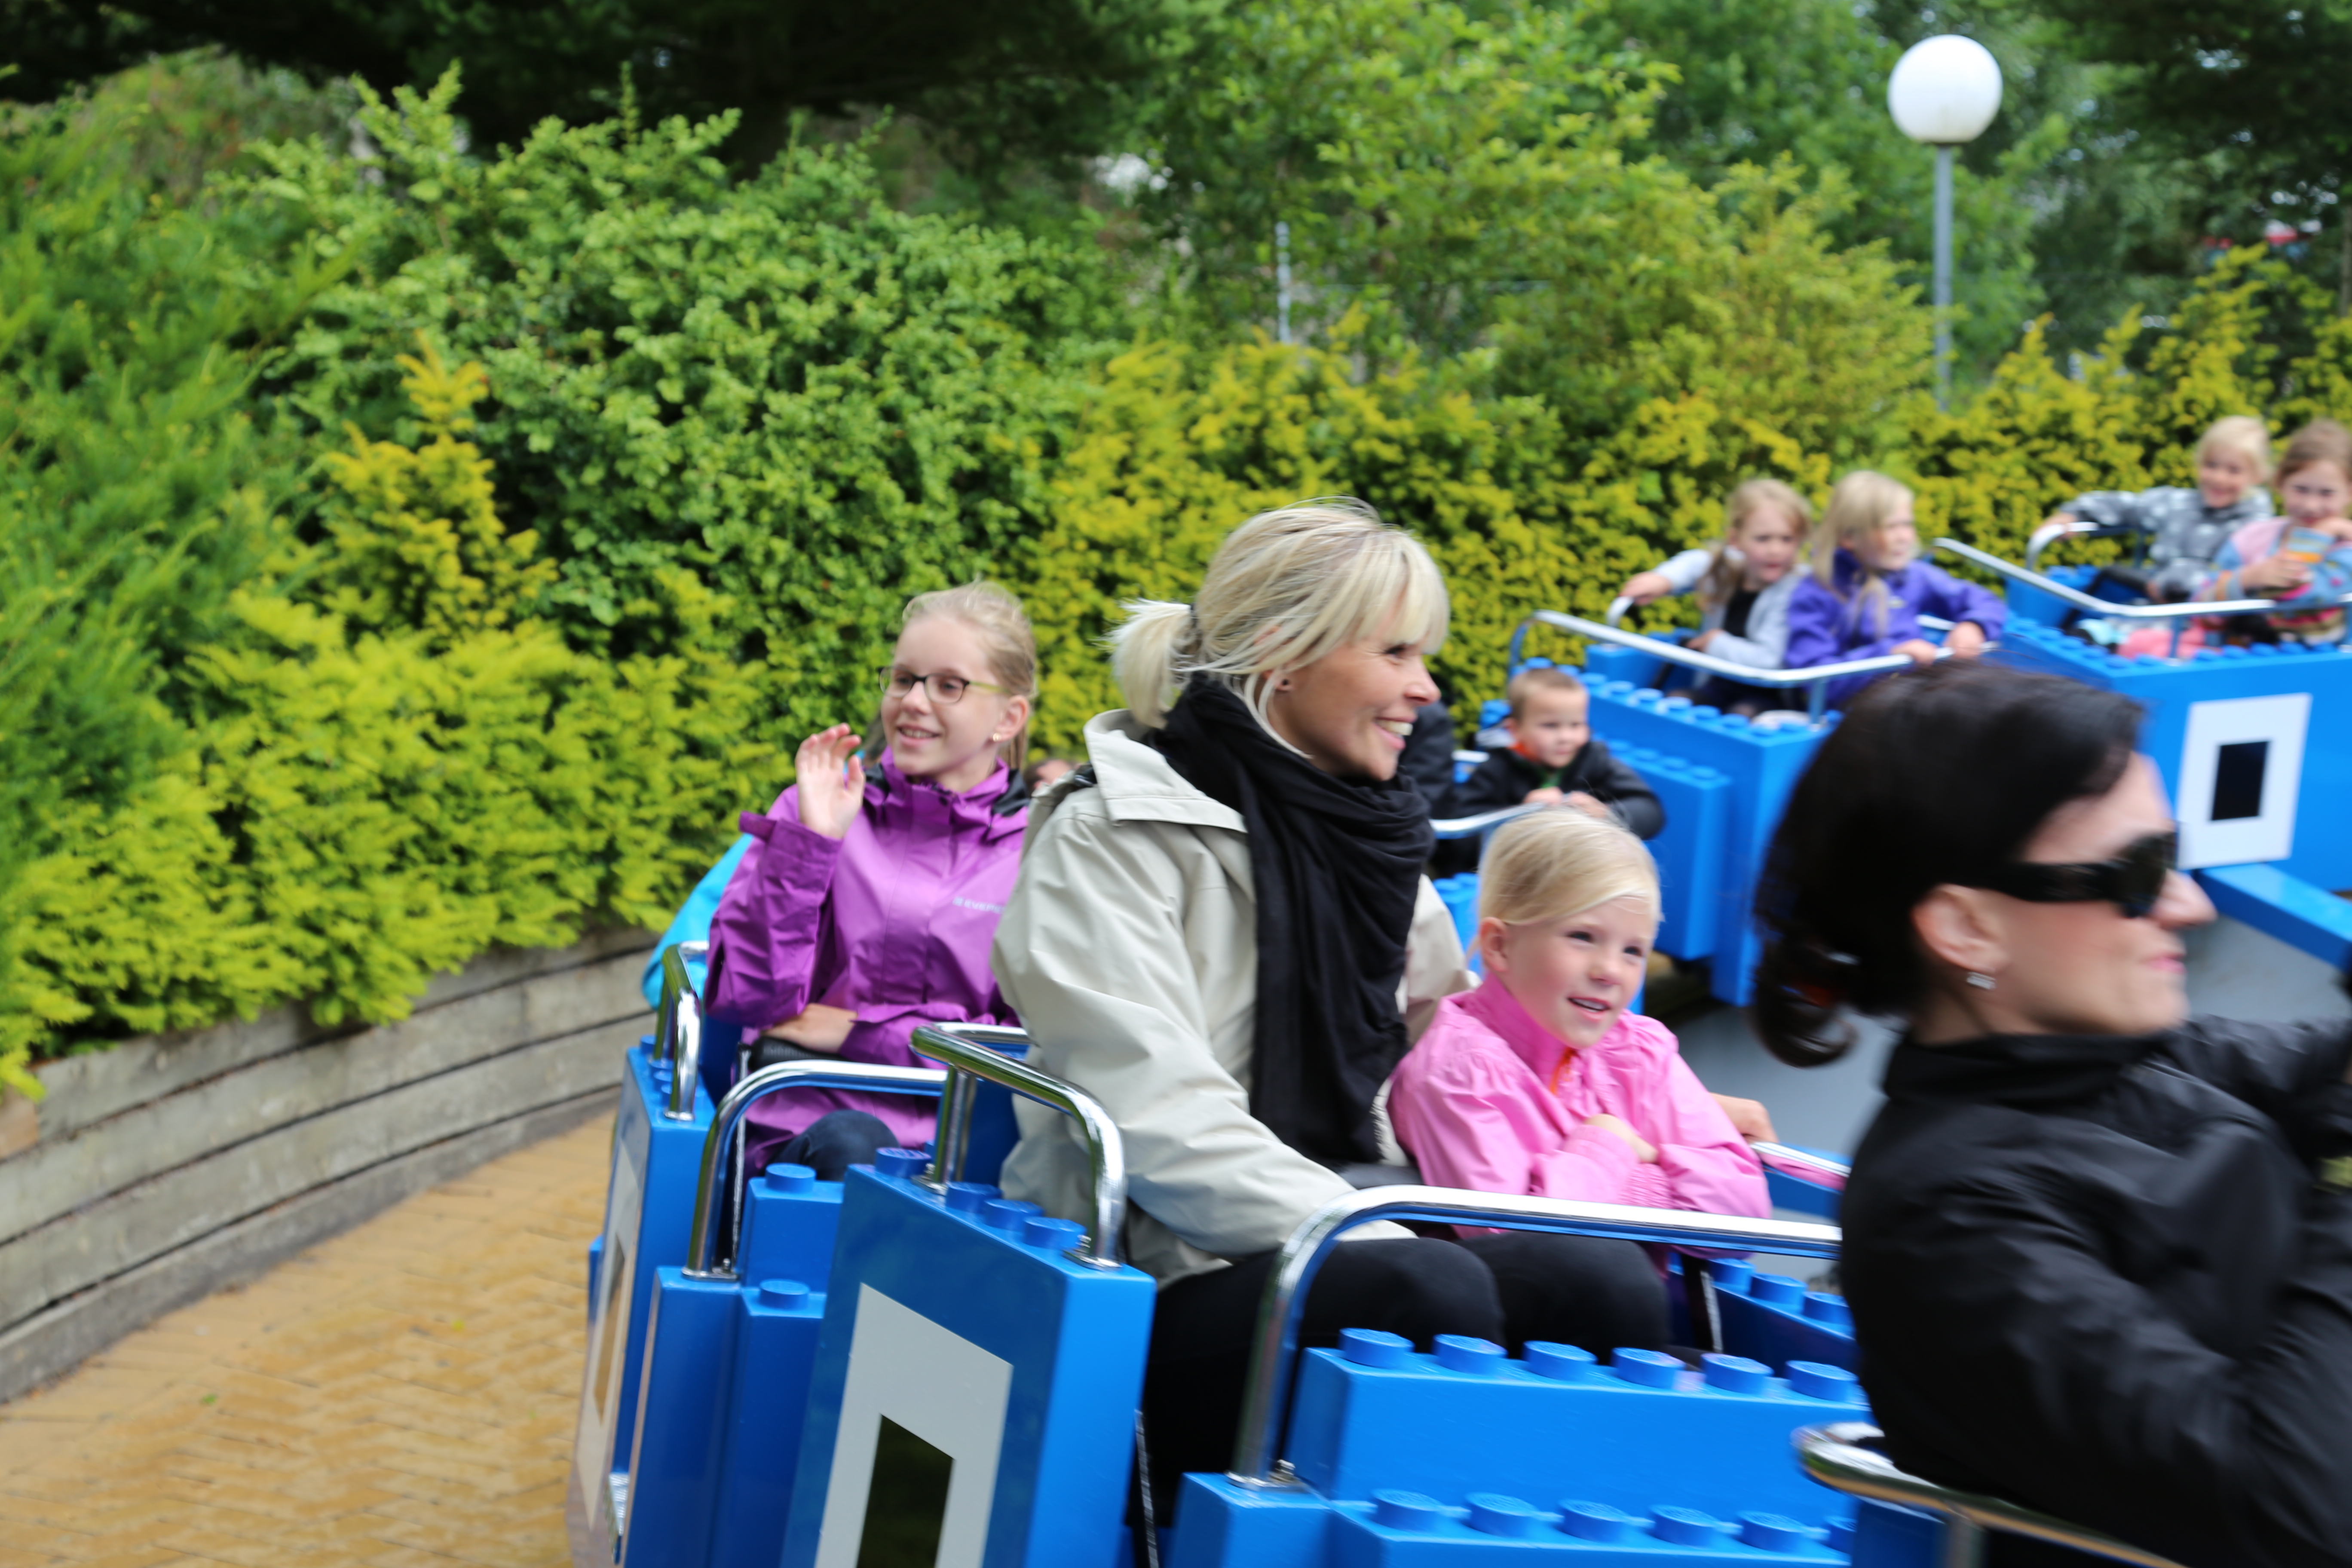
x,y
1981,981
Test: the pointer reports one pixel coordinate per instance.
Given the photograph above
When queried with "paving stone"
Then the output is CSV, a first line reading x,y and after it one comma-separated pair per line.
x,y
399,1396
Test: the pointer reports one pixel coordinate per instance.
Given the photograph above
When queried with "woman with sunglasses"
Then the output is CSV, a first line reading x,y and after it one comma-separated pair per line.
x,y
867,902
2099,1253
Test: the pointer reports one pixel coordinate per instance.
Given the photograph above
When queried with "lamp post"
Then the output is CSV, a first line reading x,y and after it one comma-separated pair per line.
x,y
1944,91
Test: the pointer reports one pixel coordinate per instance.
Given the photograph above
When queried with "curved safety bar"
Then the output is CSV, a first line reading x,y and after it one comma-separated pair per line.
x,y
2048,533
1276,1353
1815,678
1819,1169
1471,827
2082,601
1842,1455
679,1039
964,1047
1617,608
710,1191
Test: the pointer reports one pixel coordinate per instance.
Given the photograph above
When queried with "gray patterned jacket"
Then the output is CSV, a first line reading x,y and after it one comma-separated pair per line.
x,y
2184,533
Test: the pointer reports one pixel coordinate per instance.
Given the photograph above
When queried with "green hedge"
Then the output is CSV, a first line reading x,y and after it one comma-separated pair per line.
x,y
393,770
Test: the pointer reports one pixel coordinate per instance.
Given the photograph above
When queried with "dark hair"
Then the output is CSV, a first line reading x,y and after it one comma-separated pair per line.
x,y
1934,776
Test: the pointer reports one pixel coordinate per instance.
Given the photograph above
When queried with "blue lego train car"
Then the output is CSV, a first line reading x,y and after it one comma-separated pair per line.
x,y
909,1367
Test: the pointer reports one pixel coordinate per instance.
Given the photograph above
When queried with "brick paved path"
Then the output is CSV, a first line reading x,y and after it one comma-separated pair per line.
x,y
400,1395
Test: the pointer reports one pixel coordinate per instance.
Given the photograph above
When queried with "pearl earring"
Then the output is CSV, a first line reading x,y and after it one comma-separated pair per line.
x,y
1981,981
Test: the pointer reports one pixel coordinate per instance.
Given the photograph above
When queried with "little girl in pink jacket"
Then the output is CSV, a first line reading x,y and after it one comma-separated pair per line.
x,y
1540,1081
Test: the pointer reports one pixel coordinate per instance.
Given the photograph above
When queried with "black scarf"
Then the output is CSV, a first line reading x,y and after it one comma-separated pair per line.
x,y
1338,865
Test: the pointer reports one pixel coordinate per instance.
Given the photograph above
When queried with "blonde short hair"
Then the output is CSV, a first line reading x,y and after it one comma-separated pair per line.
x,y
996,618
2242,434
1286,588
1552,864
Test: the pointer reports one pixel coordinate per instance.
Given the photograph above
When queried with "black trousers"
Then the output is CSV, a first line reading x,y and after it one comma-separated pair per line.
x,y
1510,1288
829,1146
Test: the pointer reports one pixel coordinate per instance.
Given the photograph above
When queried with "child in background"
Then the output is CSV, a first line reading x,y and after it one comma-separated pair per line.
x,y
2302,558
1743,584
1868,589
1554,760
2185,528
1540,1081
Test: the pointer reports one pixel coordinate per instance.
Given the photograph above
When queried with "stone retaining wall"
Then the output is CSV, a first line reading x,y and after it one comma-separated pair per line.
x,y
170,1166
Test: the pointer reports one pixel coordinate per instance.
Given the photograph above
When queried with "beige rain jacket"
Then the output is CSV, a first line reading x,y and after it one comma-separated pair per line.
x,y
1130,950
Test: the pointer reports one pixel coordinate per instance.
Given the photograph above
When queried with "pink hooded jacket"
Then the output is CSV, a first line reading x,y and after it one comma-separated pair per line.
x,y
1475,1103
892,921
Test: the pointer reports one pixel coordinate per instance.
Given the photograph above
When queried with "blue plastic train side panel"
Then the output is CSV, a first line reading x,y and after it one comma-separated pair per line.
x,y
648,1204
776,1328
1758,765
710,1462
2174,692
1364,1537
678,1445
1773,1318
1886,1535
2285,907
1689,853
790,1219
1018,1364
1424,1427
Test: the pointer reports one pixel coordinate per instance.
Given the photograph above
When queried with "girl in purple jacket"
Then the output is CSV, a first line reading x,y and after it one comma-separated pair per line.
x,y
866,904
1868,589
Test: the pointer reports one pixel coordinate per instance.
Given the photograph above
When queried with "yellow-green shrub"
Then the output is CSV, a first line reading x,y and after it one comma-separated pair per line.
x,y
1180,444
389,781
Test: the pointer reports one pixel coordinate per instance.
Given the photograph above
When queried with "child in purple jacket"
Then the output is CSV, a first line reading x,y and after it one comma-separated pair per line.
x,y
866,904
1868,589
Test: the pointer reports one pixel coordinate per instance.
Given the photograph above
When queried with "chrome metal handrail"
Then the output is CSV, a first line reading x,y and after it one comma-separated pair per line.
x,y
2048,534
1839,1455
1815,678
964,1047
701,1250
2187,610
678,1039
1471,827
1818,1169
1275,1353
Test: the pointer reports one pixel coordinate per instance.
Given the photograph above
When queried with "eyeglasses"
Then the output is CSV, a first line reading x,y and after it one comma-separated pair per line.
x,y
947,691
2133,881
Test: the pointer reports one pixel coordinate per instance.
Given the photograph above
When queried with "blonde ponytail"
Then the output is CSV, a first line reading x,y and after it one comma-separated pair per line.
x,y
1147,652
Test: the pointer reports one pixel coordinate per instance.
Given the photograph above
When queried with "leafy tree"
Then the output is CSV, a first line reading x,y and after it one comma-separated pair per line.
x,y
817,405
2245,92
1456,182
1013,76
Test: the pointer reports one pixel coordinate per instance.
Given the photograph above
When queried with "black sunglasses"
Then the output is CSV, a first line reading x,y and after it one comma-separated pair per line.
x,y
2132,881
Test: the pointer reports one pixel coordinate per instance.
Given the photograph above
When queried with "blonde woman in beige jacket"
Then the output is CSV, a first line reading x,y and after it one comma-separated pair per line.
x,y
1222,932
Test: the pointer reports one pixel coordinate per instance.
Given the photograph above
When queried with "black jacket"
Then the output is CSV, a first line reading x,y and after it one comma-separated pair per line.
x,y
1505,777
1427,763
2112,1279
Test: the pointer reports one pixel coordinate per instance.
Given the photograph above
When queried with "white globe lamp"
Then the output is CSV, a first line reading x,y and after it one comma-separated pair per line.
x,y
1944,91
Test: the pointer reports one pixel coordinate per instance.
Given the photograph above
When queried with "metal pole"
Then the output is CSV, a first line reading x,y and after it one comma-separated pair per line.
x,y
1943,277
1282,283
